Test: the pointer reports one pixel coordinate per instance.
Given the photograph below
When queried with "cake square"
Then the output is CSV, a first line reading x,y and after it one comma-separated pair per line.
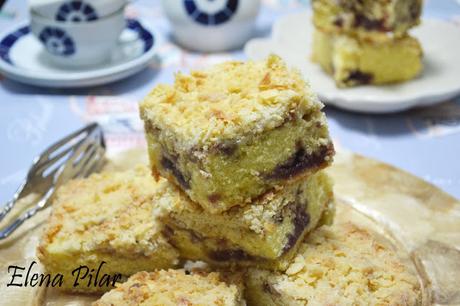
x,y
356,62
367,19
177,287
265,233
106,223
338,265
228,134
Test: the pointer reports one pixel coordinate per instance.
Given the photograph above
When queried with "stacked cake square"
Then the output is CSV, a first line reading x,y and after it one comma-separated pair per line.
x,y
366,41
237,154
246,142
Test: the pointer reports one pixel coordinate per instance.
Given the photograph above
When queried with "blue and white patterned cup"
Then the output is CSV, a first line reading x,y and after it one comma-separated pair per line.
x,y
212,25
75,10
78,44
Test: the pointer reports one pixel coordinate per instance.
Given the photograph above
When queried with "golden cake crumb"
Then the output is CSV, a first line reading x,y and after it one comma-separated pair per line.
x,y
340,265
229,134
106,217
176,287
233,98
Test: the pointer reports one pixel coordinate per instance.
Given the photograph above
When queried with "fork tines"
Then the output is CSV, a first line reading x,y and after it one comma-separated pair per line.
x,y
77,155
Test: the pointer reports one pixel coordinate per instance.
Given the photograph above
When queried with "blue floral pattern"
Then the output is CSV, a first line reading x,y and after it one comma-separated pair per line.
x,y
220,17
57,41
76,11
144,35
7,43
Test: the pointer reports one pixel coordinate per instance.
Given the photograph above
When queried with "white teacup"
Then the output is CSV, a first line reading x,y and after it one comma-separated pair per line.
x,y
78,44
212,25
75,10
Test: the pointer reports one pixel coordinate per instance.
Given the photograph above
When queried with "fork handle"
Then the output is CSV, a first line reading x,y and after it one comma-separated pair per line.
x,y
5,232
39,205
7,208
11,228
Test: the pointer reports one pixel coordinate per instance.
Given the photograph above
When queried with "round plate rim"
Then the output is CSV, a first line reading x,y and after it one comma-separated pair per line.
x,y
85,78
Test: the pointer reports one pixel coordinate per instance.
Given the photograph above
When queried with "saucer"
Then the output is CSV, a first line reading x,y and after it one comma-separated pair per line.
x,y
439,81
23,58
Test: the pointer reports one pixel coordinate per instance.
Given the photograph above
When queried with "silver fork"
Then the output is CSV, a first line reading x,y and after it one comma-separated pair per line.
x,y
77,155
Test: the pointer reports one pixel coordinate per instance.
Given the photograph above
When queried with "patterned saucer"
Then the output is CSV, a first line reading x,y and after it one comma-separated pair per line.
x,y
23,59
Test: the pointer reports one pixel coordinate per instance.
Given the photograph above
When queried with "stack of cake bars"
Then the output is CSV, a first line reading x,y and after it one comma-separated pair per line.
x,y
237,153
246,143
367,41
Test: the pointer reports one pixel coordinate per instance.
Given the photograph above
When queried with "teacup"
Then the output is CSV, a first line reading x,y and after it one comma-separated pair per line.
x,y
212,25
78,44
75,10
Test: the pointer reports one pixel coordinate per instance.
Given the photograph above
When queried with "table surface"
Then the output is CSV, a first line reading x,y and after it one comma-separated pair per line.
x,y
424,141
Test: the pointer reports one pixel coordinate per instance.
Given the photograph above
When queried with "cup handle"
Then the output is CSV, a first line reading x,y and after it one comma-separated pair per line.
x,y
124,42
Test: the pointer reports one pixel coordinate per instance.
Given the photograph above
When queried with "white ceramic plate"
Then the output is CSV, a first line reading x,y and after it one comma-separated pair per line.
x,y
440,80
22,58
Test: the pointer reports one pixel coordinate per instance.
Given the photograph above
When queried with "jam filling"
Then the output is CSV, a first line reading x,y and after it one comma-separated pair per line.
x,y
227,255
227,148
301,161
214,198
370,24
415,10
171,167
268,288
359,77
301,221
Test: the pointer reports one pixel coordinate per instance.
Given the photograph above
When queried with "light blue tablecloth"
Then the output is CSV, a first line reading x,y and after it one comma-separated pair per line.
x,y
425,142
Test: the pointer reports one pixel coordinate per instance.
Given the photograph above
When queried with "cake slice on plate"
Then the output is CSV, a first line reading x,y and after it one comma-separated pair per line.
x,y
231,133
265,233
177,287
105,225
340,265
367,19
354,62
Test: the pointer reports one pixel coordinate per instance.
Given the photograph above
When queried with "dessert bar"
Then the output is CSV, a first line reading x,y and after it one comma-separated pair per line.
x,y
177,287
367,19
228,134
106,223
340,265
264,233
354,62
